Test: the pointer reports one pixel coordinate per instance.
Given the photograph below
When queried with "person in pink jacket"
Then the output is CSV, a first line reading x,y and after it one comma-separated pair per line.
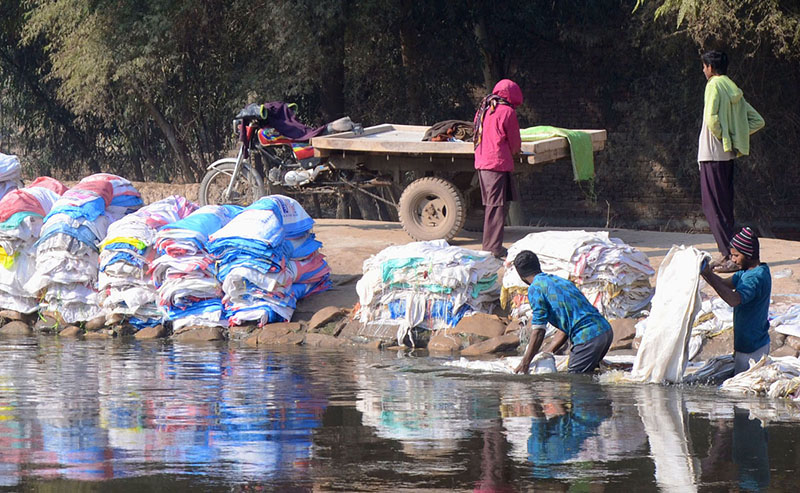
x,y
497,140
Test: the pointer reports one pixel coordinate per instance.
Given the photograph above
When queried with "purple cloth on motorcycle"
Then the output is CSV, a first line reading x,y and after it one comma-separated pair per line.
x,y
281,118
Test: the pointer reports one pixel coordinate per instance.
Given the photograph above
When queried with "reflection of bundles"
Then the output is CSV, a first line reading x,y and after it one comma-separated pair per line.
x,y
447,130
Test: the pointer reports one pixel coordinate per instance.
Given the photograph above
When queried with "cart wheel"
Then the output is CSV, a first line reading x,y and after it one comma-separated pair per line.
x,y
432,208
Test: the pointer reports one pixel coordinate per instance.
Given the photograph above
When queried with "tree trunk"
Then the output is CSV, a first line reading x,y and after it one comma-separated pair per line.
x,y
178,147
409,52
492,66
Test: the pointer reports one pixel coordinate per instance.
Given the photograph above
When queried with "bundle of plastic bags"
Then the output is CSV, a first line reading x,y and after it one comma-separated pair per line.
x,y
21,214
67,252
125,286
185,273
268,259
126,198
776,377
10,173
613,276
428,284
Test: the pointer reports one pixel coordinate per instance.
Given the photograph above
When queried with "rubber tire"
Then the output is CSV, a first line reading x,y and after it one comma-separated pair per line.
x,y
227,166
423,190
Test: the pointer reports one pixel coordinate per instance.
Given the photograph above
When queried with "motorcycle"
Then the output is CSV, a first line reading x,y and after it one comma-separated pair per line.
x,y
273,147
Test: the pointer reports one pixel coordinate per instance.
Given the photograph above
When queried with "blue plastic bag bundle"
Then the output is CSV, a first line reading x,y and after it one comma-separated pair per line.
x,y
255,255
185,273
67,251
126,289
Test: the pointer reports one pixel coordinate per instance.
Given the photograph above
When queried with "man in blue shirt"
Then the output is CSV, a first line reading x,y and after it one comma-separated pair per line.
x,y
748,293
558,301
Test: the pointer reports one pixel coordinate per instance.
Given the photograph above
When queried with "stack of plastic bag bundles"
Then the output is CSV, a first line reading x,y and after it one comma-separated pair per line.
x,y
268,259
126,255
21,215
67,252
613,276
427,284
10,173
126,198
185,273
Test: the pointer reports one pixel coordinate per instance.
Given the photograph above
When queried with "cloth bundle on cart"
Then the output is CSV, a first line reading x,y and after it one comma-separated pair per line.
x,y
185,273
67,252
126,254
21,214
428,284
268,258
10,173
613,276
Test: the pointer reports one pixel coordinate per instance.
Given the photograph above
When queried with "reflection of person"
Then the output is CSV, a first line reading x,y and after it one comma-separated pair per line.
x,y
559,302
494,467
747,291
497,140
750,451
728,122
560,427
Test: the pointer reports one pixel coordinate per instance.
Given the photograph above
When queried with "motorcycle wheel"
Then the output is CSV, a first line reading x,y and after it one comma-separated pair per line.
x,y
248,188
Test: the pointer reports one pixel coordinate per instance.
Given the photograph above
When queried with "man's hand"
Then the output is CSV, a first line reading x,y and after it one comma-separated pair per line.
x,y
523,367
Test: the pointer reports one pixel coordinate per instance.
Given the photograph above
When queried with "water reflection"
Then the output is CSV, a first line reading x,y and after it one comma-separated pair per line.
x,y
94,412
219,417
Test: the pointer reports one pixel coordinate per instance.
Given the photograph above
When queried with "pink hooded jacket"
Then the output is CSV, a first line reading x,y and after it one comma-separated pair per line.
x,y
501,139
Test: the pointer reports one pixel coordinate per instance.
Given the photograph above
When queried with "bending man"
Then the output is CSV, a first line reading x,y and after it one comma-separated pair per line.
x,y
558,301
748,293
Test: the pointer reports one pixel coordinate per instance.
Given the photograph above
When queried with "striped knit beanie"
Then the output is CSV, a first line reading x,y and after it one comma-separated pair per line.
x,y
746,242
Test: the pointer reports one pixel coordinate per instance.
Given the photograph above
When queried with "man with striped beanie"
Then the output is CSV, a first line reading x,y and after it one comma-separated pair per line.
x,y
748,292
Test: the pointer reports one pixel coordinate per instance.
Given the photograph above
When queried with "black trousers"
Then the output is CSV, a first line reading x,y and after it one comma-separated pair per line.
x,y
716,190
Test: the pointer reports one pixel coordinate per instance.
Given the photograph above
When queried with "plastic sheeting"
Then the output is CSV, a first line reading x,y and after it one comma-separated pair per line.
x,y
10,173
185,273
613,276
664,351
428,284
776,377
268,259
67,252
125,260
22,212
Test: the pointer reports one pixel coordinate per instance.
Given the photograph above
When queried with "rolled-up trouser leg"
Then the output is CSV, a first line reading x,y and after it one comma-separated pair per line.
x,y
586,357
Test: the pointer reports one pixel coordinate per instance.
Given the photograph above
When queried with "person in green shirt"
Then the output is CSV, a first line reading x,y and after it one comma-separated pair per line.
x,y
728,122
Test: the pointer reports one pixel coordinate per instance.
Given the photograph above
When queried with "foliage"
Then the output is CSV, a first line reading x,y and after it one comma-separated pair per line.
x,y
745,24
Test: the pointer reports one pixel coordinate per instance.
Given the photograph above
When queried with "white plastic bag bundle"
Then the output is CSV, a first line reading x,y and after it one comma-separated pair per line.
x,y
124,283
21,215
613,276
428,284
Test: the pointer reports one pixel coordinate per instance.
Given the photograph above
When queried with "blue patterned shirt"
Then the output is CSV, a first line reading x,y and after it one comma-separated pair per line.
x,y
556,300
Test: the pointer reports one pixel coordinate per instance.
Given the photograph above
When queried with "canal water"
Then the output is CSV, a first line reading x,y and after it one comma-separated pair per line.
x,y
129,416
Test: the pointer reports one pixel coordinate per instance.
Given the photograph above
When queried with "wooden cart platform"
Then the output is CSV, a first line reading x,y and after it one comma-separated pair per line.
x,y
390,138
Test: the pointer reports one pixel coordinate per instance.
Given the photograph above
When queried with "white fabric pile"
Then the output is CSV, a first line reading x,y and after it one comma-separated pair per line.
x,y
776,377
21,214
268,259
67,252
126,198
10,173
185,273
428,284
786,320
664,351
613,276
542,363
126,254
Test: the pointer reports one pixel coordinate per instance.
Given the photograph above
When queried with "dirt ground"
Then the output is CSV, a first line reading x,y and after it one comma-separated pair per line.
x,y
347,243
